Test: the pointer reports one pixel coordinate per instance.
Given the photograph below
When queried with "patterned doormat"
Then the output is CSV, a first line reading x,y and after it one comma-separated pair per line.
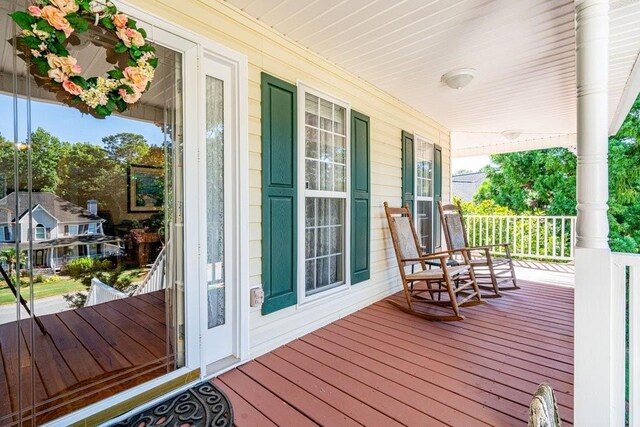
x,y
204,405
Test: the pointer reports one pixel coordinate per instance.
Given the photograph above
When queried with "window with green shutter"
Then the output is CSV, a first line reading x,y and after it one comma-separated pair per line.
x,y
408,169
360,198
324,179
279,194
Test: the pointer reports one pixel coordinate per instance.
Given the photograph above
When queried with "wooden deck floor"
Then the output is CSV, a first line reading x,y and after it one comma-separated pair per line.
x,y
382,367
89,354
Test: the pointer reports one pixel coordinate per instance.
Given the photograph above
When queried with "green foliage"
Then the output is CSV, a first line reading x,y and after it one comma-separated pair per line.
x,y
46,153
126,147
8,257
544,181
85,269
23,19
532,181
485,207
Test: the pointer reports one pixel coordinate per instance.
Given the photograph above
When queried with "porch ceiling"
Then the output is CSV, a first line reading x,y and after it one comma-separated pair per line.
x,y
523,53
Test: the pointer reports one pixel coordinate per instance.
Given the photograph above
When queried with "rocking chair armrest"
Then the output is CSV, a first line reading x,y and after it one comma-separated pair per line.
x,y
426,258
489,246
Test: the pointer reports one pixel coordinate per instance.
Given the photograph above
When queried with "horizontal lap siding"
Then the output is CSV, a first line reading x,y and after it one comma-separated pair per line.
x,y
271,52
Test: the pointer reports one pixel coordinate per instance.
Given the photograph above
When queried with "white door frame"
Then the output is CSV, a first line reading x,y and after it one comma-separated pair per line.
x,y
228,353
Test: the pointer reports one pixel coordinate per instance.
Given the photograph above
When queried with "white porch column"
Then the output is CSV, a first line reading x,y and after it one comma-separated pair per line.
x,y
597,375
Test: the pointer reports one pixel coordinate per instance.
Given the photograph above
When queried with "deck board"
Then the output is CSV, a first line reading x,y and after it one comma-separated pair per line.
x,y
481,371
90,353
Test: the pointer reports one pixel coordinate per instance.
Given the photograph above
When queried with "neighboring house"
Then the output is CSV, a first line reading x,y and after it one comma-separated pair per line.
x,y
61,230
465,185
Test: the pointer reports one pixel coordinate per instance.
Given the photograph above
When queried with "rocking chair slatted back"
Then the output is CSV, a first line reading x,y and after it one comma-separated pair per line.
x,y
455,230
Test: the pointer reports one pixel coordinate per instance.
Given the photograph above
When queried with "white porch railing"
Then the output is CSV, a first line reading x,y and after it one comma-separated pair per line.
x,y
155,277
538,237
626,276
101,292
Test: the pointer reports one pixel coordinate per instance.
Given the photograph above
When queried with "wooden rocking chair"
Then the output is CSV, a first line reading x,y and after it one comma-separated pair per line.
x,y
492,273
421,286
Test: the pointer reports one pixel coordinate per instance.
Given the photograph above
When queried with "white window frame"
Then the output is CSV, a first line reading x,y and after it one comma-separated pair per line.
x,y
416,138
35,232
303,299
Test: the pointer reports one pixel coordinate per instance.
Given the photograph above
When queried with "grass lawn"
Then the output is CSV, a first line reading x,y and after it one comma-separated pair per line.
x,y
42,290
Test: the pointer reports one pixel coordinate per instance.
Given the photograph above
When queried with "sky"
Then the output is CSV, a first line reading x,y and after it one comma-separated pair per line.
x,y
473,164
69,124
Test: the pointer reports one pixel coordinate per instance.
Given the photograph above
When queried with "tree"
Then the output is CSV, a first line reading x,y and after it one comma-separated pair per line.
x,y
46,152
9,257
126,147
532,181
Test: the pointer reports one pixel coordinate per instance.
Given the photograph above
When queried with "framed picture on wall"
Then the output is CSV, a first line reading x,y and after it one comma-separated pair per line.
x,y
146,188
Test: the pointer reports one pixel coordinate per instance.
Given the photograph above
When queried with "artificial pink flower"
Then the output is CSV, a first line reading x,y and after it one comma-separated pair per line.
x,y
129,37
120,20
35,11
57,19
130,98
136,78
71,87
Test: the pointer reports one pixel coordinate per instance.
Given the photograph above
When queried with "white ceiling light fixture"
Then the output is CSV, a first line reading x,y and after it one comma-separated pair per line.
x,y
458,78
512,134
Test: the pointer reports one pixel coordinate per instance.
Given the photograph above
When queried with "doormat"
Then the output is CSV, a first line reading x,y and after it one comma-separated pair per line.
x,y
203,405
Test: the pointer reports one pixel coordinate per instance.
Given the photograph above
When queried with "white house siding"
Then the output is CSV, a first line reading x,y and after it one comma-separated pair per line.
x,y
273,53
39,216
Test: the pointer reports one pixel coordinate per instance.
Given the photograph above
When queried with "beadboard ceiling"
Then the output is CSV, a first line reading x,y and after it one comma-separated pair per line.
x,y
523,53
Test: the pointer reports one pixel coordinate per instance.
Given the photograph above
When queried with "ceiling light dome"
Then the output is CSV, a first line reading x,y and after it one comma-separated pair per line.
x,y
512,134
458,78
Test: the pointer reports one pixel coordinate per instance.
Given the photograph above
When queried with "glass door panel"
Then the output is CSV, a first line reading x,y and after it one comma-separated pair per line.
x,y
90,232
218,319
215,203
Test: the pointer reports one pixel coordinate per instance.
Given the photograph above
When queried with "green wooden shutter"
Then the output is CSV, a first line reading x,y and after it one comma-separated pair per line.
x,y
437,196
279,209
360,198
408,169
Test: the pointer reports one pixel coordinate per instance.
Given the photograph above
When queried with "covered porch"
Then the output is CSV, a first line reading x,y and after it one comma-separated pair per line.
x,y
380,366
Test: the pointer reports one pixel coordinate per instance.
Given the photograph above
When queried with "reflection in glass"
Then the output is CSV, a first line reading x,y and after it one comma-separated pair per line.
x,y
90,228
215,203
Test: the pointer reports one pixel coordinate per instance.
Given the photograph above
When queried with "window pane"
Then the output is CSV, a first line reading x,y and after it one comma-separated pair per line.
x,y
311,175
326,115
310,275
311,110
311,138
215,203
310,211
326,147
326,176
327,237
339,149
339,120
339,178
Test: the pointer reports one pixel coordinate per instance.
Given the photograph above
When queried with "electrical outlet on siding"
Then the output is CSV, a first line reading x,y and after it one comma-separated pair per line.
x,y
256,297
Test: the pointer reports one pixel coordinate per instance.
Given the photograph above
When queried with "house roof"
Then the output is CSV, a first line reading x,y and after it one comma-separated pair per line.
x,y
465,185
61,209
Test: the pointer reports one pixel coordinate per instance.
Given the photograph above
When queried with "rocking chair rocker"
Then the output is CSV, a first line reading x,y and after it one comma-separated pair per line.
x,y
420,287
492,273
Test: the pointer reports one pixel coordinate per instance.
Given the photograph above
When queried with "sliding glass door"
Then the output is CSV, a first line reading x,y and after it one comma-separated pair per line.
x,y
91,295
